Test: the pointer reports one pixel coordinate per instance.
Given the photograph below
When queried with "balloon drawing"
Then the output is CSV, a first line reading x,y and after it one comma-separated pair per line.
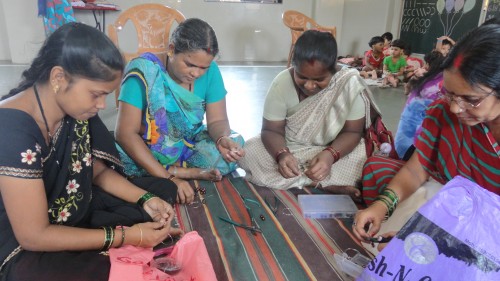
x,y
451,11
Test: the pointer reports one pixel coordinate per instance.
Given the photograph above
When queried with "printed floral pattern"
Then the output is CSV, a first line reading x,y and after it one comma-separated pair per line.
x,y
87,159
63,215
72,186
77,166
28,157
63,207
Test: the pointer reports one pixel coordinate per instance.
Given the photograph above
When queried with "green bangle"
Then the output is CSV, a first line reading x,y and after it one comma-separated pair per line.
x,y
109,237
144,198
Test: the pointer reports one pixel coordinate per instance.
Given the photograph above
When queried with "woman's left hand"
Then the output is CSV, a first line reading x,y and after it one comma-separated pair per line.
x,y
320,166
159,210
230,150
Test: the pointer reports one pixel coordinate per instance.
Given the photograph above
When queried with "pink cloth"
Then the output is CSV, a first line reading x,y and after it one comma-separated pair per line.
x,y
130,263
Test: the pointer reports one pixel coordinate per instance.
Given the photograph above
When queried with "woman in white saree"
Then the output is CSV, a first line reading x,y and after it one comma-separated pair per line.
x,y
314,119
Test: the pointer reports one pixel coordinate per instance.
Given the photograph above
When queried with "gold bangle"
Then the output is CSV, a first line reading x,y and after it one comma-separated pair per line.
x,y
217,142
140,241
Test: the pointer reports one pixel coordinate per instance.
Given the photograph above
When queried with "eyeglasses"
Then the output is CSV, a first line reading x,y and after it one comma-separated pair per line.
x,y
461,102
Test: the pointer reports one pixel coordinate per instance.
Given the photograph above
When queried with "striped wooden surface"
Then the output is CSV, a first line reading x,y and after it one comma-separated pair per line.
x,y
289,247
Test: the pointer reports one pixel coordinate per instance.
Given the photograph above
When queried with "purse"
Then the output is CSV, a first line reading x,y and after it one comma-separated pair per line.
x,y
378,139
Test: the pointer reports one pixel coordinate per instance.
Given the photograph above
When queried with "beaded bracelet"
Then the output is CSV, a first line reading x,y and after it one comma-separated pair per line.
x,y
145,198
281,151
123,237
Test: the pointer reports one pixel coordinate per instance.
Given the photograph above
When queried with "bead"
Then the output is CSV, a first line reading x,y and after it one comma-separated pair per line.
x,y
262,217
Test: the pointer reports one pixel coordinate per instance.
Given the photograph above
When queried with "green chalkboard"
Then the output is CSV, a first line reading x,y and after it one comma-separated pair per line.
x,y
493,10
423,21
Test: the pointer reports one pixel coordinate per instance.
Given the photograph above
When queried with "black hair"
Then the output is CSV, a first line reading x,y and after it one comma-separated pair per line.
x,y
407,50
434,59
316,45
493,20
476,55
387,36
81,50
398,43
194,35
446,42
375,40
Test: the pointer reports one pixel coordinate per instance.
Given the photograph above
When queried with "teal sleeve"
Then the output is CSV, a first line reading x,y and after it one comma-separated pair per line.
x,y
133,92
215,90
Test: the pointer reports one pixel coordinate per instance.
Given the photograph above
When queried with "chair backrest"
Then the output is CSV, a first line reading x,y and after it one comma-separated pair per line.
x,y
152,23
298,23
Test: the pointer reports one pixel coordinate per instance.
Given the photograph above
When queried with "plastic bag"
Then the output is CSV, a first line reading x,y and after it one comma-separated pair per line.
x,y
189,257
454,236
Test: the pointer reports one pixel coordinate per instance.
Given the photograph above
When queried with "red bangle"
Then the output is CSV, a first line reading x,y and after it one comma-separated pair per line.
x,y
335,153
281,151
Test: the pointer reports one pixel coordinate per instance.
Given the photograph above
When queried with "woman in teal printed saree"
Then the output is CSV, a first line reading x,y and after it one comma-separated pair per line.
x,y
160,128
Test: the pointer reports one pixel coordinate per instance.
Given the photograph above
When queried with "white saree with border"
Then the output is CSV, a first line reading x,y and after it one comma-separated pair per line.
x,y
312,125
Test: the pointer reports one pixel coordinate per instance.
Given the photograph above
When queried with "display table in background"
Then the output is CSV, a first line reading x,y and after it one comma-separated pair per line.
x,y
101,9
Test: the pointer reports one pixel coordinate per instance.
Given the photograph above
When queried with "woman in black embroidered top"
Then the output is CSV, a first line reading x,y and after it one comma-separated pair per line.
x,y
61,197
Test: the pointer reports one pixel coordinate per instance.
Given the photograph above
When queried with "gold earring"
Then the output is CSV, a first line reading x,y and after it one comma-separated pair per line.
x,y
56,89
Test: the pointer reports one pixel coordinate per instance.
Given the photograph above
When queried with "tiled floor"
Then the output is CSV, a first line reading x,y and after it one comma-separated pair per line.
x,y
247,87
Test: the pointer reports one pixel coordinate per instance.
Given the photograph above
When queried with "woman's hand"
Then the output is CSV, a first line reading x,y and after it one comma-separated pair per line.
x,y
230,150
320,166
159,210
288,166
146,235
389,234
185,193
367,222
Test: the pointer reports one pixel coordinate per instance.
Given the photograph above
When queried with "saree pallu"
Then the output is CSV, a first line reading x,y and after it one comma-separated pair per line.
x,y
173,123
445,148
307,133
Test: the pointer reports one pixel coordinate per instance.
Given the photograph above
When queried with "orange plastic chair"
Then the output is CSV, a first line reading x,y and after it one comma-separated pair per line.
x,y
298,23
152,23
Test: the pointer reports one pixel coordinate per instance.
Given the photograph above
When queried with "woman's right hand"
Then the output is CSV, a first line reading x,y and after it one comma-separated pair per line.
x,y
185,193
367,222
288,166
146,235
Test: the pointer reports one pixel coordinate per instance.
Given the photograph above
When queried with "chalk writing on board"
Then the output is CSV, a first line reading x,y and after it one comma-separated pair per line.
x,y
451,12
493,9
417,16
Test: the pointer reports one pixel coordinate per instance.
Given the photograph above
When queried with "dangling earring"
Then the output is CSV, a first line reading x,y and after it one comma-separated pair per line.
x,y
55,87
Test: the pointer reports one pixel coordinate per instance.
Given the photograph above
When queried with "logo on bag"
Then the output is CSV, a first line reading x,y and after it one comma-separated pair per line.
x,y
129,260
420,248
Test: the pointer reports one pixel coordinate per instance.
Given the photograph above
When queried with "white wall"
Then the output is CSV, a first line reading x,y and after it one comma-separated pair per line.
x,y
25,32
4,42
246,32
